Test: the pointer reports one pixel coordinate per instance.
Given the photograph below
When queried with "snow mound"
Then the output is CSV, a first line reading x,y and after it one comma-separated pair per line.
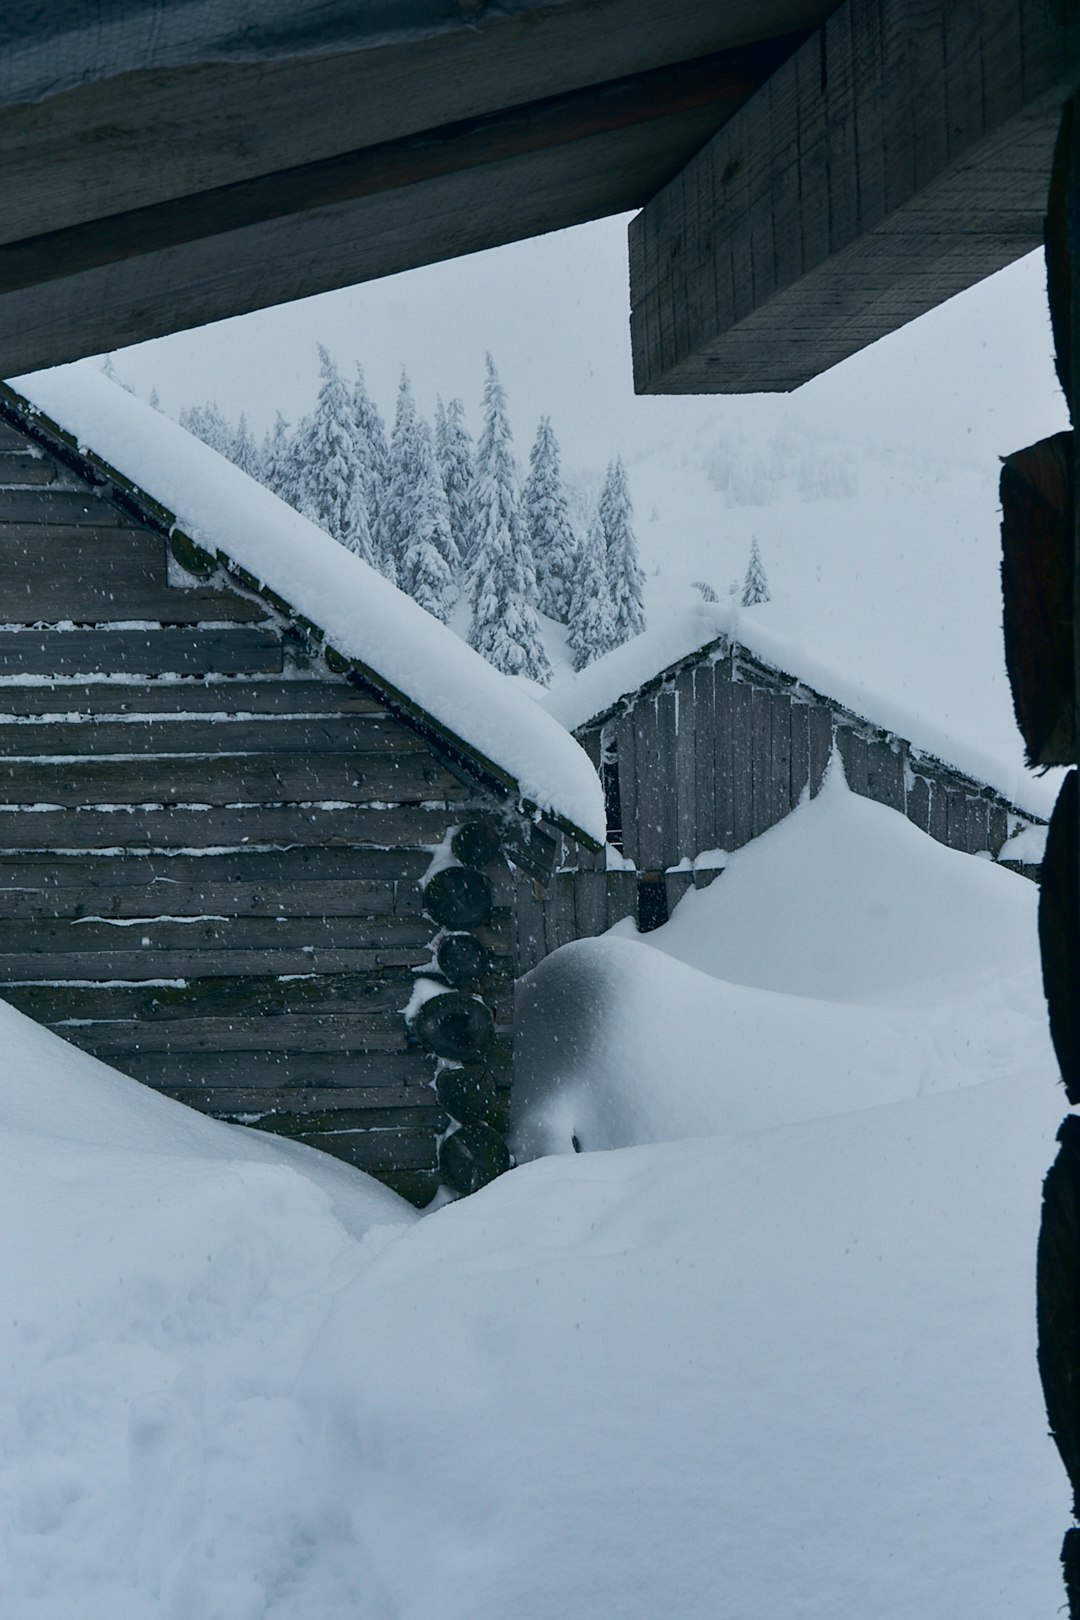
x,y
362,614
844,899
843,960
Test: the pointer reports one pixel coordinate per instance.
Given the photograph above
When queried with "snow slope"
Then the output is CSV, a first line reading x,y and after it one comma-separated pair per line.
x,y
841,961
363,615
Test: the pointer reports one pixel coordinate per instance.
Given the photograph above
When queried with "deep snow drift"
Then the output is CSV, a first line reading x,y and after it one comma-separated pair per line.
x,y
745,1377
843,959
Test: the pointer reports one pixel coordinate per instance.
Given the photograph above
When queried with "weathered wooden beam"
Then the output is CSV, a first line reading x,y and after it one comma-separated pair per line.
x,y
902,154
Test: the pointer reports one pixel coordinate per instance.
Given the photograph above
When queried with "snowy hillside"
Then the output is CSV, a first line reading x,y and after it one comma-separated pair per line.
x,y
763,1373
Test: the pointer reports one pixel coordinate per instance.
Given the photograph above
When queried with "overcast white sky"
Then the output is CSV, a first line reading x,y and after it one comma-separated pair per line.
x,y
554,313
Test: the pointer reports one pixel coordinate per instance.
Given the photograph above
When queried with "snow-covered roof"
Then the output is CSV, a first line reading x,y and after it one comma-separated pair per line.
x,y
362,616
577,699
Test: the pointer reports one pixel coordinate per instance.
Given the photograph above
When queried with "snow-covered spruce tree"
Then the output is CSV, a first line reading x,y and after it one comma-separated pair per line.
x,y
243,451
755,585
454,454
328,487
626,581
502,577
373,469
591,632
423,567
554,544
208,423
280,464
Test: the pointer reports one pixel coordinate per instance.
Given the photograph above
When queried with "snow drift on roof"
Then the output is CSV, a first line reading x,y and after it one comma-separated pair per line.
x,y
361,613
575,699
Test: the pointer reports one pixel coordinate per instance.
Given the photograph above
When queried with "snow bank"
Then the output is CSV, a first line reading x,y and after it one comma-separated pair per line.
x,y
843,960
751,1377
574,699
363,615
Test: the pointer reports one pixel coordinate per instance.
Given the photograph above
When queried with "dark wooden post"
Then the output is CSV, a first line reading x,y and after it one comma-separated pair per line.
x,y
1041,581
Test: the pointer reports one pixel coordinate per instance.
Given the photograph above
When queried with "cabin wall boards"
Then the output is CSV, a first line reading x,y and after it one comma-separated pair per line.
x,y
232,872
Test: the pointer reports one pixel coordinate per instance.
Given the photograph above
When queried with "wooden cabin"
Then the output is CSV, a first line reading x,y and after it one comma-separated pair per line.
x,y
711,751
237,863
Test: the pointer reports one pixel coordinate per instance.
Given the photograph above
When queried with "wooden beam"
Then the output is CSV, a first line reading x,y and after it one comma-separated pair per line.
x,y
902,154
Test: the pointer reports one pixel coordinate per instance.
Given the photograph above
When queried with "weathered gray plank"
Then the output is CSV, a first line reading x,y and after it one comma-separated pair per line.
x,y
686,840
667,771
23,467
261,996
956,820
146,606
273,899
223,778
917,807
269,1071
780,706
853,752
938,825
704,699
997,827
60,506
55,937
110,874
590,903
676,884
356,1032
380,1150
742,763
46,568
235,696
651,785
220,828
800,750
136,963
978,825
157,652
762,811
885,773
620,896
820,733
626,748
340,1102
721,835
226,734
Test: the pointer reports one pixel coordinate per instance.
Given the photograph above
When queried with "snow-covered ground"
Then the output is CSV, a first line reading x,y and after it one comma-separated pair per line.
x,y
750,1375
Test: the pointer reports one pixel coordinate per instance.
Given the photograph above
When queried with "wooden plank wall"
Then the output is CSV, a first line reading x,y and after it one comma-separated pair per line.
x,y
211,850
714,755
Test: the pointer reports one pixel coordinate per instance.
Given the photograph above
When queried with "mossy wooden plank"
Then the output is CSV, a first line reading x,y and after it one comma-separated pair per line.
x,y
155,651
223,779
193,828
233,696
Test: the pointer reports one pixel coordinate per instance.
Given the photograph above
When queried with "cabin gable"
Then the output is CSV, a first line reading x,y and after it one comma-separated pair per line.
x,y
227,861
